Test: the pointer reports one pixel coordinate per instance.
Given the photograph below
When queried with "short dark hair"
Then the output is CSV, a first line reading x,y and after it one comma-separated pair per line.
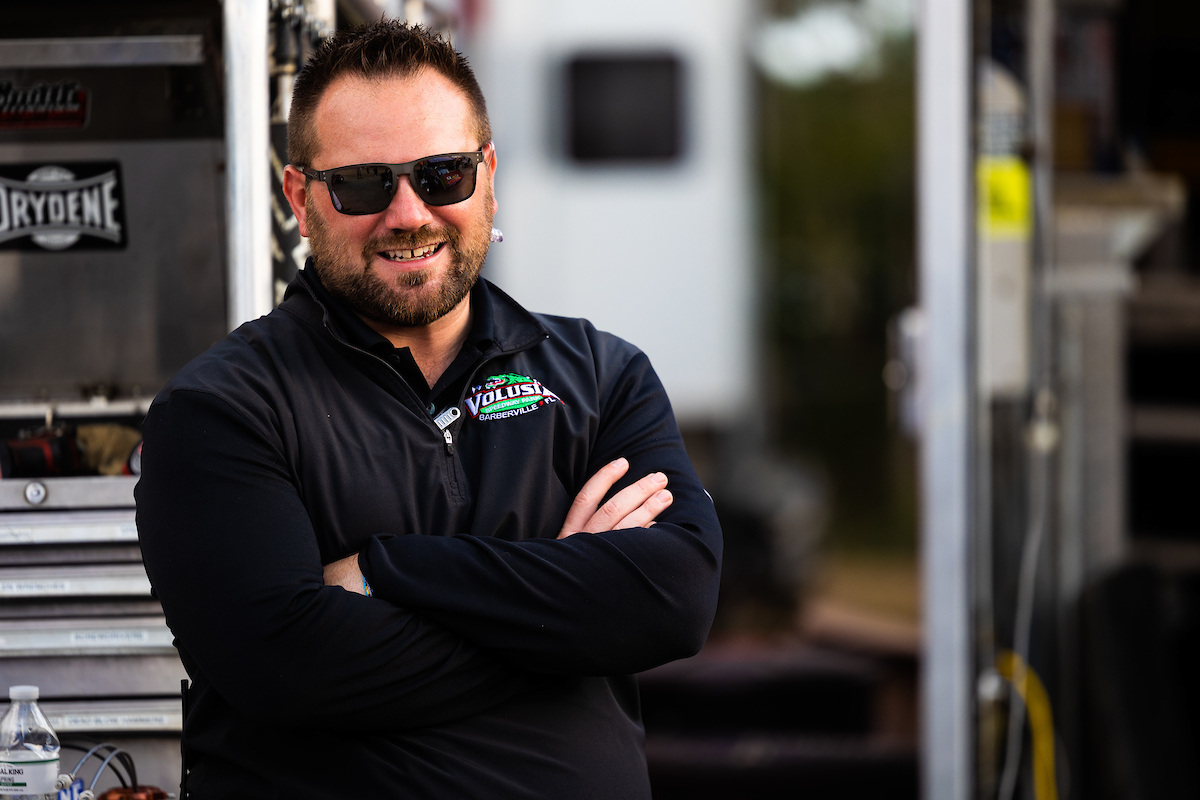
x,y
388,48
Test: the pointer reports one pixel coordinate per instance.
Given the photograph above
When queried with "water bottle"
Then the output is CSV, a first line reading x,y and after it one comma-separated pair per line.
x,y
28,749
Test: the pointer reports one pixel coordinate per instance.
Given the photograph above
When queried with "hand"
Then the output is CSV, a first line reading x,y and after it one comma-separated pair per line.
x,y
346,574
635,506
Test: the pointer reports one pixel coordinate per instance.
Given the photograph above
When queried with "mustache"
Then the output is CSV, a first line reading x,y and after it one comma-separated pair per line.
x,y
409,240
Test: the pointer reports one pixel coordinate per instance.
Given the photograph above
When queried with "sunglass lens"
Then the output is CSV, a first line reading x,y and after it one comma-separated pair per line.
x,y
366,189
443,180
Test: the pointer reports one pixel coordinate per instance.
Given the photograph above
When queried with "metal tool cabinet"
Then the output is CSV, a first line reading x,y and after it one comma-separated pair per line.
x,y
78,620
134,233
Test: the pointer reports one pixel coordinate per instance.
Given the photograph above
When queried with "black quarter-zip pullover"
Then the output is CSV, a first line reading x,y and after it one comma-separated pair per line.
x,y
493,660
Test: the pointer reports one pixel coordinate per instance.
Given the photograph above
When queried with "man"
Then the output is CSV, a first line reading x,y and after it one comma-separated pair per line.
x,y
403,430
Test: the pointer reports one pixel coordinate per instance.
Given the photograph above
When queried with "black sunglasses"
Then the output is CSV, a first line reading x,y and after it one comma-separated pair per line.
x,y
369,188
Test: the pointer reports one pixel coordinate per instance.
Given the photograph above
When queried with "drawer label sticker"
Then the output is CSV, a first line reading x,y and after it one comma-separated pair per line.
x,y
111,722
26,588
16,535
106,638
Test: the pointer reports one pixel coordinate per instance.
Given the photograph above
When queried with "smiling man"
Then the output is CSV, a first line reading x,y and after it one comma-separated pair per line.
x,y
412,539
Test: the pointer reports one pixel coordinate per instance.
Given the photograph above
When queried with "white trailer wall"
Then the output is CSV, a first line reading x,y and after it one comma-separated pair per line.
x,y
661,253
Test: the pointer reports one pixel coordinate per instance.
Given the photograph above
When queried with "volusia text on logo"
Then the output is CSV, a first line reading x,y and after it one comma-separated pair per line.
x,y
508,395
57,206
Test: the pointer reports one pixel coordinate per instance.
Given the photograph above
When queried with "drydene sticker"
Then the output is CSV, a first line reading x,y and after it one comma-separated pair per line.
x,y
27,777
68,205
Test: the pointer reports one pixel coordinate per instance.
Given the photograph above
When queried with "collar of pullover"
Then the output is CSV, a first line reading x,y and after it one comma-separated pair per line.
x,y
499,322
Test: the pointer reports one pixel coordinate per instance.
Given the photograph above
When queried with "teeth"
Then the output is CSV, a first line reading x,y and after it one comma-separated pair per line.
x,y
408,255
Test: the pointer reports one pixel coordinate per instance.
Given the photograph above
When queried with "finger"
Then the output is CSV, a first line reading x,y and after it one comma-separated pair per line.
x,y
608,517
644,515
588,500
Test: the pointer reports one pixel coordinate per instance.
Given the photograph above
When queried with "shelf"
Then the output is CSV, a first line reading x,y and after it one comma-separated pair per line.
x,y
1173,424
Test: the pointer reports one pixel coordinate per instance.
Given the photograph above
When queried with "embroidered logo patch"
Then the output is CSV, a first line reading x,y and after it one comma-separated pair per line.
x,y
508,395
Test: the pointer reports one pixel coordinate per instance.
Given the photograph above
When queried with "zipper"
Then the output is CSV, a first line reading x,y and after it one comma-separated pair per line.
x,y
444,420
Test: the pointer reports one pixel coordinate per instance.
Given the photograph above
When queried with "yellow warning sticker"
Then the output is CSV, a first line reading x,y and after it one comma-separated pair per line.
x,y
1005,197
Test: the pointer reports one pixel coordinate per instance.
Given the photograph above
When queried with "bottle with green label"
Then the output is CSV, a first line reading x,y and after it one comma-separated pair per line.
x,y
28,749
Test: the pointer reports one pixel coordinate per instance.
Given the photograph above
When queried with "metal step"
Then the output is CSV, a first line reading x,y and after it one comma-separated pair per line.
x,y
58,638
19,494
148,715
79,527
53,583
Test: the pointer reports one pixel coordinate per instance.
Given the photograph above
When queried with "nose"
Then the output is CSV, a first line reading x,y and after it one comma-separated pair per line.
x,y
407,211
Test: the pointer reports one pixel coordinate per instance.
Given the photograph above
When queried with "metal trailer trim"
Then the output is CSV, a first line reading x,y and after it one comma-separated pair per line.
x,y
945,219
96,51
136,406
248,144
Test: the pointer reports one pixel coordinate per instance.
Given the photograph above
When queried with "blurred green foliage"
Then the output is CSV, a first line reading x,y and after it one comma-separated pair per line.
x,y
837,207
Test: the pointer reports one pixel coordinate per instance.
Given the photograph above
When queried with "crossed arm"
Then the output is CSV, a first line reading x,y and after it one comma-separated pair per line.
x,y
639,592
264,633
635,506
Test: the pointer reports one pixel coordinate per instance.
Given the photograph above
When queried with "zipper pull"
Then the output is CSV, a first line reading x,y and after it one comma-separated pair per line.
x,y
444,421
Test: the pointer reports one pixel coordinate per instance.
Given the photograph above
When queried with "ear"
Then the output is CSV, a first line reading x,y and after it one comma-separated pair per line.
x,y
295,189
491,165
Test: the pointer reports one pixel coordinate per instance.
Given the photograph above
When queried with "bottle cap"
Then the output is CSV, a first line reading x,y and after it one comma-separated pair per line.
x,y
22,693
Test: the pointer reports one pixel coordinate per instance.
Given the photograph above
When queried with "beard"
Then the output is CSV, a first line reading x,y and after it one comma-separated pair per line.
x,y
409,299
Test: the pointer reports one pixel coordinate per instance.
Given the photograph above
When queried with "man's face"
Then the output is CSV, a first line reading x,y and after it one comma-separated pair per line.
x,y
412,263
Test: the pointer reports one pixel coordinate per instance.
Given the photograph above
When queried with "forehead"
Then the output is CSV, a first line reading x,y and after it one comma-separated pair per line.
x,y
392,119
